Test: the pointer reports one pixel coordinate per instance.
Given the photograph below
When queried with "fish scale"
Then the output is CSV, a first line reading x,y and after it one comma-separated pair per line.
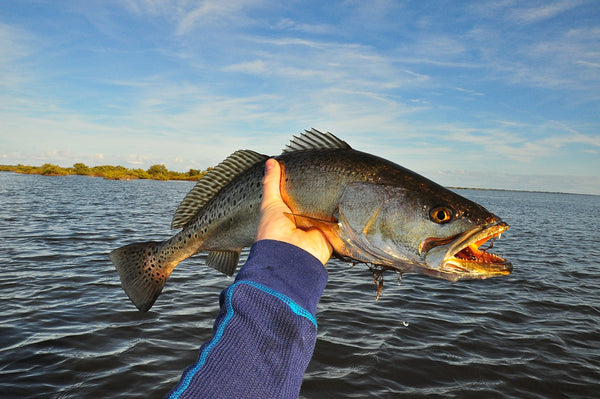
x,y
370,209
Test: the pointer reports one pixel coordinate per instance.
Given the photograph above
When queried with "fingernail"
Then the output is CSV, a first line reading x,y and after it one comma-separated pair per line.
x,y
269,164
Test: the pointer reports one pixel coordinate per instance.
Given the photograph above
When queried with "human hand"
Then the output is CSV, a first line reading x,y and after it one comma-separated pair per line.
x,y
274,224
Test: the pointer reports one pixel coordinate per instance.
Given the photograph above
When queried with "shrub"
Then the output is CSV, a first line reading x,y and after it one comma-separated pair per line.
x,y
82,169
141,174
49,169
155,172
158,172
195,174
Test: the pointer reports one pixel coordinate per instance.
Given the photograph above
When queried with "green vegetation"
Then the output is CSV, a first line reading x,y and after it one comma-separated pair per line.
x,y
48,169
155,172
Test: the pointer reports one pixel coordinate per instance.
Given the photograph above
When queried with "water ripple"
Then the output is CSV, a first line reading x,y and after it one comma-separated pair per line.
x,y
67,330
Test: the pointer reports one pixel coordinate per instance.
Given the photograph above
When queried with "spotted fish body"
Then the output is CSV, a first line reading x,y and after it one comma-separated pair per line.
x,y
370,209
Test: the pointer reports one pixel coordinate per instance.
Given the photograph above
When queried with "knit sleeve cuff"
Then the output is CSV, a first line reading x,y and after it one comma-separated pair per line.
x,y
288,270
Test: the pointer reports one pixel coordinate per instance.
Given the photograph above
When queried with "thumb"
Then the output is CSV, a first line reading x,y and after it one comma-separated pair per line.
x,y
271,183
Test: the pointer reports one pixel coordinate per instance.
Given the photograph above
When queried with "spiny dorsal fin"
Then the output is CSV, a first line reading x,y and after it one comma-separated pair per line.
x,y
212,182
315,140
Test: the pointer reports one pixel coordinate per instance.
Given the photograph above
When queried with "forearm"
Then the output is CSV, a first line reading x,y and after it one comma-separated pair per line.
x,y
265,333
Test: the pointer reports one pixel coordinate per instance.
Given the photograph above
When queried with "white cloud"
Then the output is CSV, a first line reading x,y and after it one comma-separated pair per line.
x,y
541,11
206,78
214,13
325,64
287,24
557,55
468,91
16,45
588,64
257,67
563,60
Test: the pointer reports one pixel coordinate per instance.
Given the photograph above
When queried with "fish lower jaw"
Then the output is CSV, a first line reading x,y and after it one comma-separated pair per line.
x,y
467,259
459,269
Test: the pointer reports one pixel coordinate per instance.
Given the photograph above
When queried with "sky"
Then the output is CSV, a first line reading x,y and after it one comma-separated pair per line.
x,y
489,94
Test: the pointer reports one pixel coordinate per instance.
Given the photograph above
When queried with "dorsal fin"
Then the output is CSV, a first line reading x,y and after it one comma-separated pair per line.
x,y
212,182
315,140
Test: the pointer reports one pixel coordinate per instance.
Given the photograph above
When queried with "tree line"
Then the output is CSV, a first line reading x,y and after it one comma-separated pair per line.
x,y
154,172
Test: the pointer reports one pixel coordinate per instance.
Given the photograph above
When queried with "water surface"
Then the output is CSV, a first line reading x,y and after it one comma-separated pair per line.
x,y
67,329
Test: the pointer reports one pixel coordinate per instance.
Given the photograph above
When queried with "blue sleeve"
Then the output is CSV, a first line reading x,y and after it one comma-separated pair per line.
x,y
265,333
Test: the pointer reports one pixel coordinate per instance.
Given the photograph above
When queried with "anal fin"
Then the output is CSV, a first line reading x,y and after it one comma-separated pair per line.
x,y
224,261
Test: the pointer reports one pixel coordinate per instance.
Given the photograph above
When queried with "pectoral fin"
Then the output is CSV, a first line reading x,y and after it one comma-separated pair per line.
x,y
309,221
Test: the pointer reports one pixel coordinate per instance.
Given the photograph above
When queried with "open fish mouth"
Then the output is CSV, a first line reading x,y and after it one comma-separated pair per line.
x,y
467,258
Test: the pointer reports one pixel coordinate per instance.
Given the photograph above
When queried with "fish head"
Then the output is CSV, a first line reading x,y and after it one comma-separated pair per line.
x,y
431,231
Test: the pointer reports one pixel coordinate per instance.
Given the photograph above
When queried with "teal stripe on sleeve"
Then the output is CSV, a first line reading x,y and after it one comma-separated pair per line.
x,y
299,310
229,312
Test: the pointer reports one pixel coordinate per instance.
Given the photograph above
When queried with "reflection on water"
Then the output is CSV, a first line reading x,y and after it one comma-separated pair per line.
x,y
68,330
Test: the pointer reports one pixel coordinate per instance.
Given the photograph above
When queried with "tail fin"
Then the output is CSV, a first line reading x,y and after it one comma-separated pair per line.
x,y
143,273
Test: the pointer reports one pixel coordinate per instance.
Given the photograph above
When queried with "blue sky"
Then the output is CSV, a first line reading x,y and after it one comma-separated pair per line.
x,y
491,94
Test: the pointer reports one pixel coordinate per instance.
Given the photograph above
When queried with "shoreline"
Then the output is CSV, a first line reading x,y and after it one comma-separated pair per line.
x,y
159,172
109,172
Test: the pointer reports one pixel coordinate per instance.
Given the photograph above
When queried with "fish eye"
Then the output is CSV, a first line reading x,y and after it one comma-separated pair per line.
x,y
440,214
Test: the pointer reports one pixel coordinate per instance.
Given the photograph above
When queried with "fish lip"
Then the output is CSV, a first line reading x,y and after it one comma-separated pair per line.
x,y
463,259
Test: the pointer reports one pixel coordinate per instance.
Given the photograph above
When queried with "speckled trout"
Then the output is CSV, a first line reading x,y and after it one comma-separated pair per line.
x,y
371,210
